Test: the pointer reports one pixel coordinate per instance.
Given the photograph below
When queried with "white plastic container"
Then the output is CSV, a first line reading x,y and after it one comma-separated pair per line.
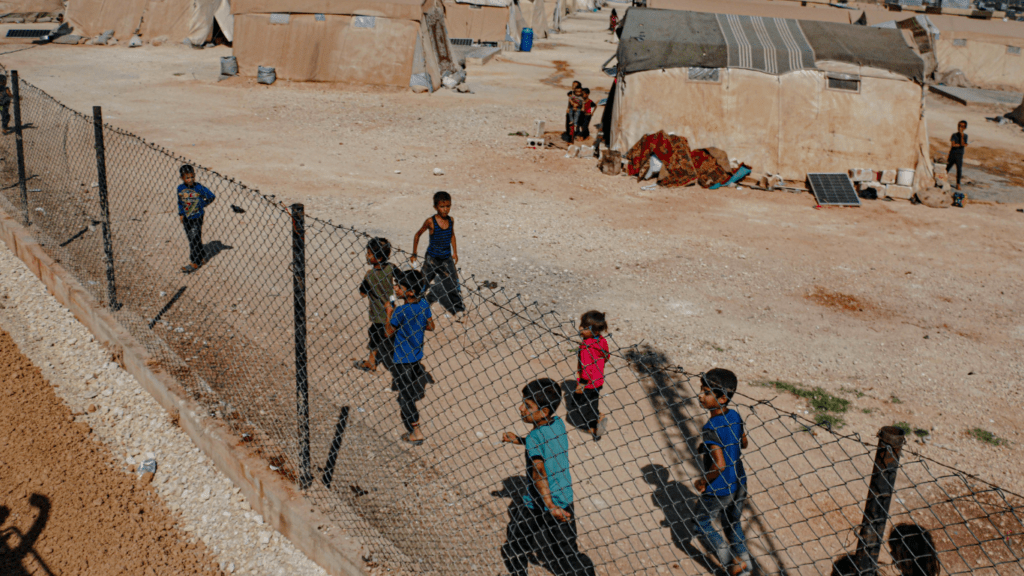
x,y
905,177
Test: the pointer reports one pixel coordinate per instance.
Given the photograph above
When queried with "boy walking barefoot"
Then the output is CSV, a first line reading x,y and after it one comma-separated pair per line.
x,y
442,253
408,324
724,484
544,524
193,198
378,287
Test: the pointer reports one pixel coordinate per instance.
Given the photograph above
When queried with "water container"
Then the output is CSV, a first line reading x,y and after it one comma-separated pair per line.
x,y
526,44
905,177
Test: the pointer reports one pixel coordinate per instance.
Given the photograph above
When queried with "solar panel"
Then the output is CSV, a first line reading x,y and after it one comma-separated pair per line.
x,y
27,33
833,189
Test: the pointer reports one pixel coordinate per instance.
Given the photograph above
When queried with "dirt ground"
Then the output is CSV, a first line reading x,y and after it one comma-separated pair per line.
x,y
908,311
64,507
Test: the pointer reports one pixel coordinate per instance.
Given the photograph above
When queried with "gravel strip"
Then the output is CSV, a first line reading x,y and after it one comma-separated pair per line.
x,y
127,419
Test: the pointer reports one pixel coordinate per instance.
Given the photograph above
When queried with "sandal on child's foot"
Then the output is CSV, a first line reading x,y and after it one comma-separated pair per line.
x,y
602,427
405,437
189,268
737,568
362,366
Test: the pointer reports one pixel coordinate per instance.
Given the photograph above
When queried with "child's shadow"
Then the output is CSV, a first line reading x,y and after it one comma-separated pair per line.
x,y
573,415
216,247
680,505
513,487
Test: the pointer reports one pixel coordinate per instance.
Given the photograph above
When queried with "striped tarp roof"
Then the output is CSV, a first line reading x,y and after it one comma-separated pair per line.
x,y
655,39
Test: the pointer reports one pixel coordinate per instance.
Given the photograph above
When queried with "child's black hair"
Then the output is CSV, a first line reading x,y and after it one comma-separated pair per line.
x,y
576,83
3,79
586,91
720,381
441,196
913,550
594,321
964,122
413,280
545,393
614,13
380,248
186,169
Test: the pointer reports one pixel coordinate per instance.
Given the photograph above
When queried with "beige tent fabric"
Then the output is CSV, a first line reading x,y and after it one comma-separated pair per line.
x,y
484,23
225,20
535,13
94,17
176,19
985,61
399,9
332,50
30,6
791,10
789,125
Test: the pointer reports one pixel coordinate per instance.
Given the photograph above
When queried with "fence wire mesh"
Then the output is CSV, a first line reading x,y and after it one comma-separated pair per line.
x,y
227,332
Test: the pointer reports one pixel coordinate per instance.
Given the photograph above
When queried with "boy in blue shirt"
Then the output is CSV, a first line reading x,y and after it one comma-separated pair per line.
x,y
724,484
408,324
193,198
545,523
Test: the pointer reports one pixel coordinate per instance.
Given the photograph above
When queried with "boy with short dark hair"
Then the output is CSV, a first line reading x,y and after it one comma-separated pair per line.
x,y
408,324
724,483
442,254
587,113
958,142
545,524
378,287
193,198
6,98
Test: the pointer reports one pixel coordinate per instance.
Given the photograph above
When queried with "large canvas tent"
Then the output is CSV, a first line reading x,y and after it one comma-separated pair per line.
x,y
381,42
30,7
989,53
537,15
175,19
478,20
786,97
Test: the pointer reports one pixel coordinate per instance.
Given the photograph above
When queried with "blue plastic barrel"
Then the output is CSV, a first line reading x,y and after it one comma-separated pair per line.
x,y
526,44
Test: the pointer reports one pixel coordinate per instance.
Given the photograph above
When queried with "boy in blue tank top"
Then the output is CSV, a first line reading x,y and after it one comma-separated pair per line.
x,y
442,255
724,483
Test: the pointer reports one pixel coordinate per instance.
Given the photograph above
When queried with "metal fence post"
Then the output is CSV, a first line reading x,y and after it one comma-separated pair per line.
x,y
19,144
876,509
101,179
301,372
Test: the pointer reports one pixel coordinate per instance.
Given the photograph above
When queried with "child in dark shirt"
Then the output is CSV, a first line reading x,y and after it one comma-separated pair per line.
x,y
408,324
442,254
958,143
378,287
724,483
193,198
544,523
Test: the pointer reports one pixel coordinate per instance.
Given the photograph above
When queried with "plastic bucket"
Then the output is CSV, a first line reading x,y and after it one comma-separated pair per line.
x,y
905,177
526,44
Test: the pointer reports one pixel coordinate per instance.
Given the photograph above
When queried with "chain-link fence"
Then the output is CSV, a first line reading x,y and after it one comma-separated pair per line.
x,y
278,286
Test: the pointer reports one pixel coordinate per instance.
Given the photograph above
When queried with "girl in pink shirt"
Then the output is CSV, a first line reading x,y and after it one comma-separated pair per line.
x,y
590,372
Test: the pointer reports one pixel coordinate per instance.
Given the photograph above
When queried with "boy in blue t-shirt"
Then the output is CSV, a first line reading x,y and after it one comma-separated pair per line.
x,y
724,484
408,324
193,198
545,524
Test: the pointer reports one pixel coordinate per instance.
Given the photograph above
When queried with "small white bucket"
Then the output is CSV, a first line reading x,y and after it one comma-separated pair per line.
x,y
905,177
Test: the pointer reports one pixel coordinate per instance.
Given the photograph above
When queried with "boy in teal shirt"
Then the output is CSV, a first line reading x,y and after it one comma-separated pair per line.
x,y
545,524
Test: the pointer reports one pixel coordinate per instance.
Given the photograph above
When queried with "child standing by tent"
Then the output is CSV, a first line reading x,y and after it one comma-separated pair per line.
x,y
586,114
442,254
613,22
958,142
193,198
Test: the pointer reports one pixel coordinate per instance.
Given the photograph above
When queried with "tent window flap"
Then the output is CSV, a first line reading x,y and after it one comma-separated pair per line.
x,y
700,74
364,21
844,82
278,18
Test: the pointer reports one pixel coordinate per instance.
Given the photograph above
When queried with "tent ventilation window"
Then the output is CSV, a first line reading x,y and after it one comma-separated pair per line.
x,y
319,18
364,21
475,7
279,18
961,42
1015,50
844,82
699,74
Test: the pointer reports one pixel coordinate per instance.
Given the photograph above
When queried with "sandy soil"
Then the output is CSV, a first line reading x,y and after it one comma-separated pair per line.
x,y
906,310
65,508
